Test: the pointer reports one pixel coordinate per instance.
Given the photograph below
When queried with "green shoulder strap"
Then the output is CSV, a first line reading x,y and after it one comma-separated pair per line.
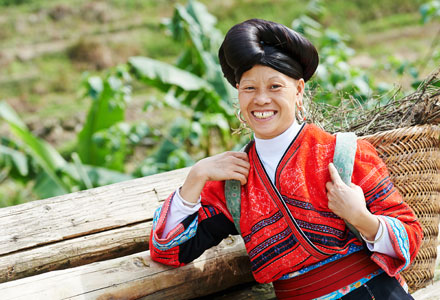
x,y
233,195
343,159
345,151
233,200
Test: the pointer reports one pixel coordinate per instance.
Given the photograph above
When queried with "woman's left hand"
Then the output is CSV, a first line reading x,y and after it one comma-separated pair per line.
x,y
348,202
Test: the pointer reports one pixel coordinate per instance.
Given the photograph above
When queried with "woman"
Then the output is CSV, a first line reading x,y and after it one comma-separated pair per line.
x,y
293,202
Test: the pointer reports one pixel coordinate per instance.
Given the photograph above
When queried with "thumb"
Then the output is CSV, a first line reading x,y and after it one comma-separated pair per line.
x,y
334,175
354,186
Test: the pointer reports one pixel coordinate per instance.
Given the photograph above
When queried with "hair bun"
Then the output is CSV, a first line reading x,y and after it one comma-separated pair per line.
x,y
257,41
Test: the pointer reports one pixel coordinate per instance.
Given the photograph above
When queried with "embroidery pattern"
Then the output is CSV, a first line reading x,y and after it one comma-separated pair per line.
x,y
309,206
283,248
269,242
382,192
349,288
174,240
401,237
261,224
352,249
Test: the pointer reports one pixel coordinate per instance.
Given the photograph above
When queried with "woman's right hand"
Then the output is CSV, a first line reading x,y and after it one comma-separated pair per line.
x,y
223,166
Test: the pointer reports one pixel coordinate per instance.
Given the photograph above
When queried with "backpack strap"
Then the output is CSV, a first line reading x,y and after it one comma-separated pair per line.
x,y
233,201
345,151
343,159
233,194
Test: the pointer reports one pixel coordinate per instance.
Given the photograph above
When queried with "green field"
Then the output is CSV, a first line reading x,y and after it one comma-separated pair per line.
x,y
45,46
48,47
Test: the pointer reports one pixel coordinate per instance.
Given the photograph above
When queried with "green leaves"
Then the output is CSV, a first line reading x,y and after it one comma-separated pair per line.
x,y
182,86
194,85
165,76
109,98
34,159
14,159
42,152
430,10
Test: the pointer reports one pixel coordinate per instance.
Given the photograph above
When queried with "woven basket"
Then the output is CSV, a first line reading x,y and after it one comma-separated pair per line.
x,y
412,155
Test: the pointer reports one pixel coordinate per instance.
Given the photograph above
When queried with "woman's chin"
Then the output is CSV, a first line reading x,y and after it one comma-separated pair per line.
x,y
266,133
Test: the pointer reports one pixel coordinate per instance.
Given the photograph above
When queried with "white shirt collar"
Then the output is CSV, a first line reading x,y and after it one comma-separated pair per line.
x,y
270,151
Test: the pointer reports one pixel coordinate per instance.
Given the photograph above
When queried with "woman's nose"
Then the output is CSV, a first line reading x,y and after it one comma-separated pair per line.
x,y
261,97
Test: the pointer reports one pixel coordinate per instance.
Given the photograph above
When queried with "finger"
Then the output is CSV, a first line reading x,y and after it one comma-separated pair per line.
x,y
330,205
329,186
241,155
334,175
354,186
241,171
240,162
235,165
244,164
357,187
240,177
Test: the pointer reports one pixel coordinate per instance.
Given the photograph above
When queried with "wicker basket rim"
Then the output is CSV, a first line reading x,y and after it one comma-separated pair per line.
x,y
405,131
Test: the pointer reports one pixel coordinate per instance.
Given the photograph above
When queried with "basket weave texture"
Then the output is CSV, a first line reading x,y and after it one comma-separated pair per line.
x,y
412,155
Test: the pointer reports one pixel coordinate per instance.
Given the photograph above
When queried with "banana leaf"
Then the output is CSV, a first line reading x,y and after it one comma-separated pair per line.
x,y
107,109
41,151
16,159
165,76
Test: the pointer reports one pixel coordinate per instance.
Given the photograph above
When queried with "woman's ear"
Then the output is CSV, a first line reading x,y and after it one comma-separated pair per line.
x,y
300,87
299,92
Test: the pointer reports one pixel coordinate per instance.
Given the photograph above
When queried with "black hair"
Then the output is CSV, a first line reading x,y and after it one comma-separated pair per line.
x,y
260,42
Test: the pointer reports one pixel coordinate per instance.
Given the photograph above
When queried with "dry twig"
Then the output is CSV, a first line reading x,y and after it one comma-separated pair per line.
x,y
418,108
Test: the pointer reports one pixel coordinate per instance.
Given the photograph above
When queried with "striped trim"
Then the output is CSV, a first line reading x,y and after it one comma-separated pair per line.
x,y
283,248
383,194
352,249
399,236
207,211
270,242
262,224
175,237
178,239
378,185
308,206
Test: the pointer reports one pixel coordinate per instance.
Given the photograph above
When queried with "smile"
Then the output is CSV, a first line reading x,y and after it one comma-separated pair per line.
x,y
263,114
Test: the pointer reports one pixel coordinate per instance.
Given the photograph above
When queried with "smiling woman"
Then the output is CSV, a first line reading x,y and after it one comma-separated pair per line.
x,y
268,100
293,201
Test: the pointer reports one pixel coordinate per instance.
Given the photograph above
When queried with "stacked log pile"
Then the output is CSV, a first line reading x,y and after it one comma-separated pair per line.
x,y
93,245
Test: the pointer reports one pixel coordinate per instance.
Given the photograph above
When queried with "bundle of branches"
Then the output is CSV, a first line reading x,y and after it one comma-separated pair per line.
x,y
420,107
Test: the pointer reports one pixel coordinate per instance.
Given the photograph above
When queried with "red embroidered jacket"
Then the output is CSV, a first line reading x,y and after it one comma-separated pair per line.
x,y
300,178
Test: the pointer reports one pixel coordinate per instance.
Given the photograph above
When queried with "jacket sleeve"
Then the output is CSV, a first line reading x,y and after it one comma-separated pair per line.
x,y
198,232
383,199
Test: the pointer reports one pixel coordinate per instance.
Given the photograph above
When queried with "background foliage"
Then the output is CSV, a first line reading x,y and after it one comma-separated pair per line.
x,y
162,103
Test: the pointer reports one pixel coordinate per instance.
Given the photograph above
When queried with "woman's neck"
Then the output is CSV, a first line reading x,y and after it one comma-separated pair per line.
x,y
270,151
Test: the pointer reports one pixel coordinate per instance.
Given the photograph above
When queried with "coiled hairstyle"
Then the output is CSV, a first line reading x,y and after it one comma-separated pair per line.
x,y
260,42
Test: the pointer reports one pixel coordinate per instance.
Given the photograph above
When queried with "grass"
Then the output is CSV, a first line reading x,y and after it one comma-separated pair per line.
x,y
391,22
132,28
47,86
13,193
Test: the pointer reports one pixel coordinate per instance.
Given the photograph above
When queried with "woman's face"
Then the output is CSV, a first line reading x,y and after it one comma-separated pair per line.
x,y
268,100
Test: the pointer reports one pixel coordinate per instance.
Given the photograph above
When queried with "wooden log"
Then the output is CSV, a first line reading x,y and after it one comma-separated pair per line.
x,y
137,276
83,227
246,291
75,252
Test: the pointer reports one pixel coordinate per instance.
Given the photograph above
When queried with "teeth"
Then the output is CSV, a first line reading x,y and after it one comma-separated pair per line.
x,y
263,114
